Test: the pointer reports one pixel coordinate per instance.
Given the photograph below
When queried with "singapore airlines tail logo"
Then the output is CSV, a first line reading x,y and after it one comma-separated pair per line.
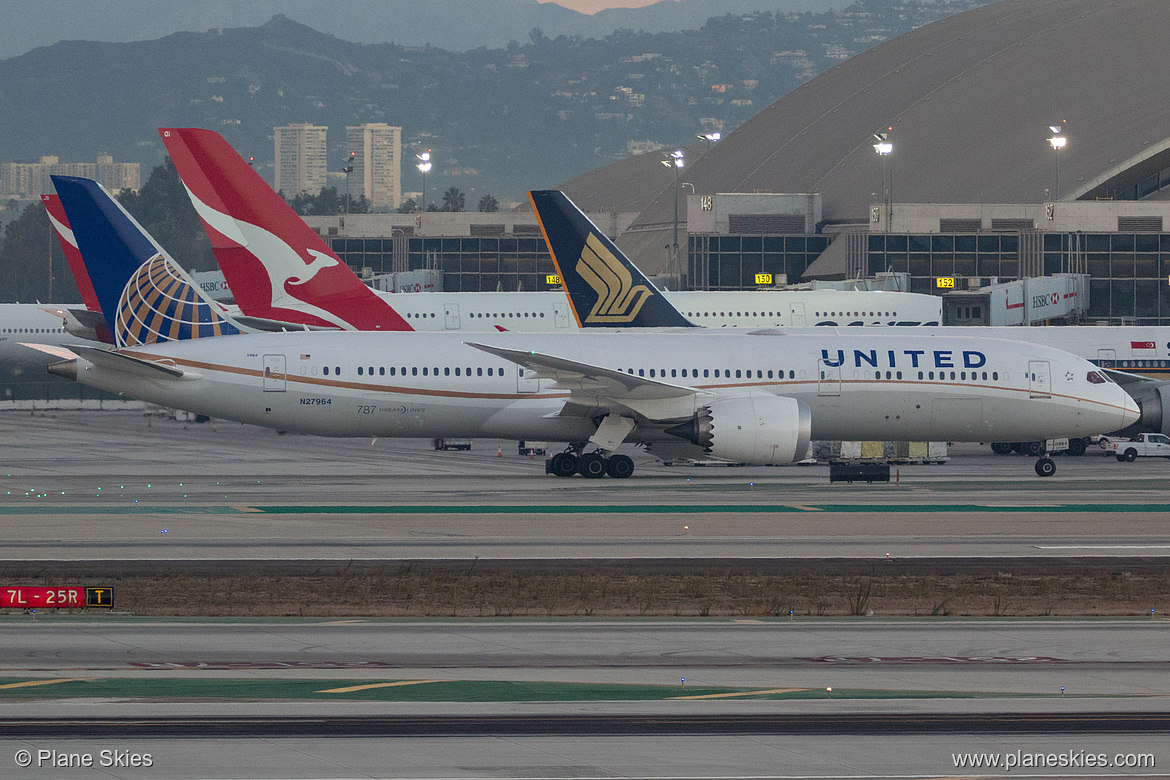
x,y
618,299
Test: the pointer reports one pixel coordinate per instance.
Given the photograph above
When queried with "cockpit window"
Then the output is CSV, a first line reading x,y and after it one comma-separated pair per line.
x,y
1095,378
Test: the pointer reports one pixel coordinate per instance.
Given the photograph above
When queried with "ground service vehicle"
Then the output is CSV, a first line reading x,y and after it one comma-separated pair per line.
x,y
1146,445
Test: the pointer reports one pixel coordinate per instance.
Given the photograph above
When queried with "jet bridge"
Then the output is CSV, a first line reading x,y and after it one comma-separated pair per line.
x,y
1057,299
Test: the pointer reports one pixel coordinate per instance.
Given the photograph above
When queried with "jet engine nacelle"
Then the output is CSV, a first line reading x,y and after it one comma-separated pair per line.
x,y
759,429
1154,401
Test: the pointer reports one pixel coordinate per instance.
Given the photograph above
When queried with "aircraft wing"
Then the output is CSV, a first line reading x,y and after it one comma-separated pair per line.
x,y
603,389
1128,380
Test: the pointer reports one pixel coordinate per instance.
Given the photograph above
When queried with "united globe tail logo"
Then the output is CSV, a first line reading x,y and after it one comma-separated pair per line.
x,y
618,299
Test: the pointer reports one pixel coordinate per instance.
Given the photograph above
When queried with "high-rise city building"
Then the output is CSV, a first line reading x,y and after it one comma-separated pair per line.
x,y
300,158
377,167
26,181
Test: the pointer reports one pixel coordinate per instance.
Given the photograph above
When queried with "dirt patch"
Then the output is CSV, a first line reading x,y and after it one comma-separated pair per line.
x,y
408,591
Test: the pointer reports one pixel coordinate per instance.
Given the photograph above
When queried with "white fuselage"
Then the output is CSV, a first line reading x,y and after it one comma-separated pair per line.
x,y
542,312
857,386
29,322
1135,349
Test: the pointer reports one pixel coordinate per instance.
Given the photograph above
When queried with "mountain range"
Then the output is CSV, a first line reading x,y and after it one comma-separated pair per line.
x,y
499,121
455,25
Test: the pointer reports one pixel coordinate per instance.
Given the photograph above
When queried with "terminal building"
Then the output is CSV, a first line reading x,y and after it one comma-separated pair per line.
x,y
971,191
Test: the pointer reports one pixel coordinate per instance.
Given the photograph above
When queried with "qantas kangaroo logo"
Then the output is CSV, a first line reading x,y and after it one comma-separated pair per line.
x,y
618,299
284,265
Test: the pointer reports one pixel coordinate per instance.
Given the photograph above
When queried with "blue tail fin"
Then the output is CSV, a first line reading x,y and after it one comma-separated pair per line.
x,y
605,289
144,295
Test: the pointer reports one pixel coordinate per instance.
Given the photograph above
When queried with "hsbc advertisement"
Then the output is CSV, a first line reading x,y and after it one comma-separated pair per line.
x,y
1038,298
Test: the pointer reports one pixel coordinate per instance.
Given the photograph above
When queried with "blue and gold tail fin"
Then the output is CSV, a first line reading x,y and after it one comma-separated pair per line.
x,y
605,289
145,296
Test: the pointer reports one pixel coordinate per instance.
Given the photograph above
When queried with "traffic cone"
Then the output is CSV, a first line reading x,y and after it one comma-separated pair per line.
x,y
499,452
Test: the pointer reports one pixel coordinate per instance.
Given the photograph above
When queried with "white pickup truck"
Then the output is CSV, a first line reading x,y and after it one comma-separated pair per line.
x,y
1146,445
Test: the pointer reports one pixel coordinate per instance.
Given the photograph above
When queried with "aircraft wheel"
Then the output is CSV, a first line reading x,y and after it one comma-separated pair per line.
x,y
1001,447
1130,455
1076,447
1046,467
620,466
592,466
1034,448
564,464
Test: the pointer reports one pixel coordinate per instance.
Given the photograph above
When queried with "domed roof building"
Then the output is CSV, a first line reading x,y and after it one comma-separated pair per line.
x,y
967,103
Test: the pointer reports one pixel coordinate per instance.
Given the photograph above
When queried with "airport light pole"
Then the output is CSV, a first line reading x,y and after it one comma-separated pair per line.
x,y
1058,141
424,166
709,138
677,161
884,148
347,169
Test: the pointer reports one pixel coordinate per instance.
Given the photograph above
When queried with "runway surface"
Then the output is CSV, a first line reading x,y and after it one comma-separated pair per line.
x,y
558,698
474,699
117,485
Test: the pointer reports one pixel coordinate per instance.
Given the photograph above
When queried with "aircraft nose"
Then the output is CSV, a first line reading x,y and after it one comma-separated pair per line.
x,y
1130,412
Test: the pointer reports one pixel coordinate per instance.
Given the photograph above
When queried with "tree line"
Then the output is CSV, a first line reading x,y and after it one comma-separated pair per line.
x,y
33,267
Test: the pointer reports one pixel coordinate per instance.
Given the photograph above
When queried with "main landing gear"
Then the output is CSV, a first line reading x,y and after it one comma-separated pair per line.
x,y
591,465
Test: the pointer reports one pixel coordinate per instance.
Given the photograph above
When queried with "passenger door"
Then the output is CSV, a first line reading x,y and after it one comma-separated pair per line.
x,y
274,376
451,313
829,382
1039,379
561,315
526,381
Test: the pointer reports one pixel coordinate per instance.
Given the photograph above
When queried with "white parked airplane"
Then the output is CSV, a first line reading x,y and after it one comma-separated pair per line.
x,y
45,323
278,268
753,399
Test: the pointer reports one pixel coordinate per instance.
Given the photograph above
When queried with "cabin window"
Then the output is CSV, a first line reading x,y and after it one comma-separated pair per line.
x,y
360,370
769,373
325,370
479,372
382,371
414,371
641,372
706,372
446,370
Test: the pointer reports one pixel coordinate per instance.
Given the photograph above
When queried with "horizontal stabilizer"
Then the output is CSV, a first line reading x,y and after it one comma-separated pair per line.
x,y
134,366
277,326
50,349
